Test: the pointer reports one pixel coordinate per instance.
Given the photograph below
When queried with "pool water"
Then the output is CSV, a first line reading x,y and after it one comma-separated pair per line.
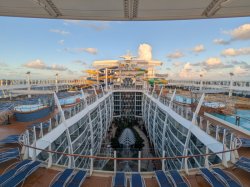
x,y
28,108
182,99
244,120
69,100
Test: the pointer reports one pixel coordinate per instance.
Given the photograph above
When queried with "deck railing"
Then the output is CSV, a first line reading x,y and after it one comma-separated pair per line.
x,y
143,160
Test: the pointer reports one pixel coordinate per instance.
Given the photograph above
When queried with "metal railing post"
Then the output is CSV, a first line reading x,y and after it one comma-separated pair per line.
x,y
139,162
115,162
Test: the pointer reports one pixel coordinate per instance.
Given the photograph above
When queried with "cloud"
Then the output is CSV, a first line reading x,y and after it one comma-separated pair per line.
x,y
96,25
175,55
178,64
240,71
58,31
241,33
79,62
235,52
198,48
186,71
221,42
90,50
39,64
213,61
145,52
61,42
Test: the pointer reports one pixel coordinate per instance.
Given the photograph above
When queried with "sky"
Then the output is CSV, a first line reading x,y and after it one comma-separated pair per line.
x,y
188,48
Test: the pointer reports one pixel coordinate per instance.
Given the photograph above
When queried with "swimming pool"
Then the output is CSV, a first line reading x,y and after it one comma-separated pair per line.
x,y
183,99
244,120
28,108
69,100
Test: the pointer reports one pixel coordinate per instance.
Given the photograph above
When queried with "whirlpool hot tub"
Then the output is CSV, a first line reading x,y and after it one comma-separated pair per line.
x,y
26,113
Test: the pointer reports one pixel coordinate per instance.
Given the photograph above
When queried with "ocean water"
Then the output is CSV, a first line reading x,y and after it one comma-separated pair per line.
x,y
244,118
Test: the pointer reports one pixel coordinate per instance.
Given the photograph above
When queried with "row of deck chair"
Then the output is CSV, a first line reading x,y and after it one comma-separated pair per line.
x,y
245,142
219,178
19,173
69,178
136,180
173,179
243,163
10,139
9,154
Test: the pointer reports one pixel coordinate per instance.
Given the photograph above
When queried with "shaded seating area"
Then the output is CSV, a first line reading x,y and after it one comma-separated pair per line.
x,y
11,172
20,176
9,155
10,139
137,180
62,178
162,179
177,179
226,178
210,178
77,179
119,180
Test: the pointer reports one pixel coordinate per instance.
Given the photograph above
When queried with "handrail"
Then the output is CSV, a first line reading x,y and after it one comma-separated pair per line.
x,y
149,158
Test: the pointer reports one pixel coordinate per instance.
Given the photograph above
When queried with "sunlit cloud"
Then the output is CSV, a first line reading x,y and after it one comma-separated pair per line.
x,y
235,52
90,50
241,33
174,55
199,48
221,42
39,64
145,52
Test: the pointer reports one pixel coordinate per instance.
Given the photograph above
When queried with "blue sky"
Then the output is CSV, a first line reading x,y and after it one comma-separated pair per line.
x,y
187,48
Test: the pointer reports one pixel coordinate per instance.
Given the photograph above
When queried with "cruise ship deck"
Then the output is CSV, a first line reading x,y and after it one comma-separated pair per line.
x,y
125,123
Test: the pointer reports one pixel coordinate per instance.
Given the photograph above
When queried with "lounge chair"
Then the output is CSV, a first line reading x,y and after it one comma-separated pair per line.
x,y
9,155
210,178
22,175
226,178
137,180
11,150
10,173
162,179
244,159
177,179
243,165
245,142
62,178
119,180
10,139
77,179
